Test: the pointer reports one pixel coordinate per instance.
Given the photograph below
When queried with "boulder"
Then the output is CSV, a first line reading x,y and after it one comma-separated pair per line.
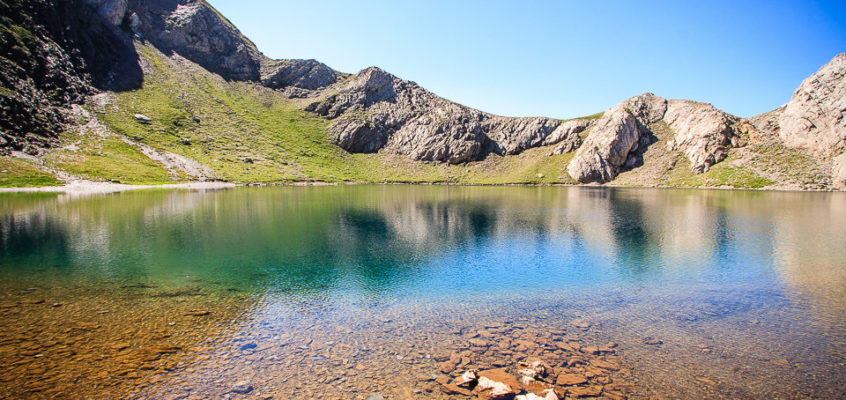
x,y
607,148
614,137
496,384
468,379
242,387
569,379
548,394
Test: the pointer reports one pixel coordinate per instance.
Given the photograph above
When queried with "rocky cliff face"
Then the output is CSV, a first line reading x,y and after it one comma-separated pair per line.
x,y
815,117
374,110
52,54
701,132
196,31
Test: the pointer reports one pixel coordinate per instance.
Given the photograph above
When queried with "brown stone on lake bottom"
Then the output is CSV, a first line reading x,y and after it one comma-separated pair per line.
x,y
568,379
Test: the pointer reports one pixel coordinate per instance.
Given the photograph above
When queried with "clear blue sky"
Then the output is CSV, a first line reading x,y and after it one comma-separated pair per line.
x,y
562,59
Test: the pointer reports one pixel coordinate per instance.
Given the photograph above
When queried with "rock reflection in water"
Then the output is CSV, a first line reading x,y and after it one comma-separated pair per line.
x,y
340,292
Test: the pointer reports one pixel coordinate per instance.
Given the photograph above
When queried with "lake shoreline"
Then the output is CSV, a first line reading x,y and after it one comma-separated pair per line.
x,y
83,187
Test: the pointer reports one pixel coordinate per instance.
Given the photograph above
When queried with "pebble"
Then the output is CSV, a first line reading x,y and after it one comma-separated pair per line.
x,y
248,346
242,387
570,379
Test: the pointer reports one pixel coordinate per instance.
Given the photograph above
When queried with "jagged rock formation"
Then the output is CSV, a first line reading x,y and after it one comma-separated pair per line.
x,y
815,118
112,10
701,132
568,136
304,74
194,30
375,110
607,149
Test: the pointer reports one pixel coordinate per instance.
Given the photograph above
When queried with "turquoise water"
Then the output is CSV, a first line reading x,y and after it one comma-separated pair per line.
x,y
753,282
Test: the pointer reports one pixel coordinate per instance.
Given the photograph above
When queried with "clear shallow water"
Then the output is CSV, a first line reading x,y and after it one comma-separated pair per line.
x,y
342,291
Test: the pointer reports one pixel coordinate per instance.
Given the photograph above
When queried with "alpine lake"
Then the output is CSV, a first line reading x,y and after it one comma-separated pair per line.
x,y
393,291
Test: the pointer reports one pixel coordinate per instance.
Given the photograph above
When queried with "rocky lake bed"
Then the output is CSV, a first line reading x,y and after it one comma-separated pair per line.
x,y
415,292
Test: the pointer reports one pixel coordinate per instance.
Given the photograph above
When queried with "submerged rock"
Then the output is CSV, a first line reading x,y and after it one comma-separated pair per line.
x,y
568,379
495,384
242,387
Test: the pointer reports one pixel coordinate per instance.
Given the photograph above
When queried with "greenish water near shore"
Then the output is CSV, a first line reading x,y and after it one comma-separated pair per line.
x,y
758,279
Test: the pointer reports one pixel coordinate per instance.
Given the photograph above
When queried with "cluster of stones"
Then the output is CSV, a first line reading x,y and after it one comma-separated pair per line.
x,y
531,366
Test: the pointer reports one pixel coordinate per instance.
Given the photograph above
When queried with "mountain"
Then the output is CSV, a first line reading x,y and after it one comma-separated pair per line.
x,y
154,91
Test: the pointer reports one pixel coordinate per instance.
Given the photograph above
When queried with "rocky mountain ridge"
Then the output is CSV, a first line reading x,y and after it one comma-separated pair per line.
x,y
373,111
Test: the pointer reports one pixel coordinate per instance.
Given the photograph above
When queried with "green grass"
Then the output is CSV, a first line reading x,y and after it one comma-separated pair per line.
x,y
721,175
246,133
796,167
18,173
588,117
533,166
109,159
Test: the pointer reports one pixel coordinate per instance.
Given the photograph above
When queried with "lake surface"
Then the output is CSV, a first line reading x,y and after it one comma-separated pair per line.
x,y
340,292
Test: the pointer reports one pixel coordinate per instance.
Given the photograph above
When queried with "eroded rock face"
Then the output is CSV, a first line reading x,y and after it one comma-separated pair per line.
x,y
702,132
567,135
838,171
56,53
614,137
815,117
375,110
112,10
303,74
197,32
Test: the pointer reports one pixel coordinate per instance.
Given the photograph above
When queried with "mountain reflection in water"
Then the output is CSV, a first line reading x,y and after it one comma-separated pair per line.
x,y
686,265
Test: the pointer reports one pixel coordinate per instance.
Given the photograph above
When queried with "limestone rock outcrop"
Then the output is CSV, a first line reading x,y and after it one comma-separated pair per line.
x,y
374,110
568,135
614,137
199,33
303,74
838,171
702,132
815,117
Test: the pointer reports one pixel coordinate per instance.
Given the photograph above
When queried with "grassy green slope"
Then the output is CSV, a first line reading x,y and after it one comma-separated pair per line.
x,y
107,158
19,173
